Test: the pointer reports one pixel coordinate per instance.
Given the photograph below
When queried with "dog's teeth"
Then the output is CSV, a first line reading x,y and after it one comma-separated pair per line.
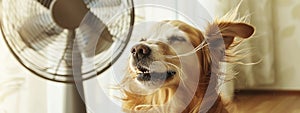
x,y
138,71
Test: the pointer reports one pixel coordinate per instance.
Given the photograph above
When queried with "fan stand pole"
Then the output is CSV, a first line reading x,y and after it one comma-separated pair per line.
x,y
75,100
69,14
74,103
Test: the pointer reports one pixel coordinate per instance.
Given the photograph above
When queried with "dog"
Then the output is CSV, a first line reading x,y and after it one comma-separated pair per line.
x,y
175,67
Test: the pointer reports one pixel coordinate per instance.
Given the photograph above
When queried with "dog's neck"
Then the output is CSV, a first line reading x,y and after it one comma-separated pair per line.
x,y
164,100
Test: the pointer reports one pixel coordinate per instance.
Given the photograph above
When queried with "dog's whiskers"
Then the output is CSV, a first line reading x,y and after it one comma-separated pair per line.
x,y
180,71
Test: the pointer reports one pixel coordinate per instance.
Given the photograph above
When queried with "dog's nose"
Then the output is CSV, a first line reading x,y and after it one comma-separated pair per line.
x,y
140,50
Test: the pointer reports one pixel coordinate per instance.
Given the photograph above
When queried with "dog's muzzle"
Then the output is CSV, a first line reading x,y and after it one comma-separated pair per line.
x,y
140,54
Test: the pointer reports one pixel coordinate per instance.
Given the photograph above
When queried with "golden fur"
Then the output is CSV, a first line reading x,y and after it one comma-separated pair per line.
x,y
218,38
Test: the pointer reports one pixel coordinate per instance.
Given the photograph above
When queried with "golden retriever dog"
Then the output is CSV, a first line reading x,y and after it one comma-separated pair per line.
x,y
176,68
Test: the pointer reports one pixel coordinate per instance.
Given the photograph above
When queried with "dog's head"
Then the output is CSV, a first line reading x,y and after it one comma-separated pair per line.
x,y
151,60
156,63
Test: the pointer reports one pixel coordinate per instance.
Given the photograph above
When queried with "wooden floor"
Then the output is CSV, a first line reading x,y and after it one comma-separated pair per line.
x,y
267,102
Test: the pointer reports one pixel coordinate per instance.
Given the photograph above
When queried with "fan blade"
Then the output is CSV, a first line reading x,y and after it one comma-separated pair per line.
x,y
93,36
105,9
102,3
45,3
38,31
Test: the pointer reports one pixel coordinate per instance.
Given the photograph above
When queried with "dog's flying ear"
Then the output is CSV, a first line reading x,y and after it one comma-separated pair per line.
x,y
230,30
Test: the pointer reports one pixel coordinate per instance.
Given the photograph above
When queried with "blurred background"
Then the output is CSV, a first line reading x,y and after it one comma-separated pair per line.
x,y
273,82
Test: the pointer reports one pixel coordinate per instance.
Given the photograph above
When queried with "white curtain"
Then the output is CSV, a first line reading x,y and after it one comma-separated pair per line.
x,y
276,43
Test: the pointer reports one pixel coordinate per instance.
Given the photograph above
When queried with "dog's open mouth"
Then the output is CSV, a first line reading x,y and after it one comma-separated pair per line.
x,y
145,74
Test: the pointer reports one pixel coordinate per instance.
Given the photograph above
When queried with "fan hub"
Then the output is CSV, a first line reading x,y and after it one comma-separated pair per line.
x,y
68,13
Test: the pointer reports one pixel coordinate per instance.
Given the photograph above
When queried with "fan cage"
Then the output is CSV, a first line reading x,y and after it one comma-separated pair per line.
x,y
27,56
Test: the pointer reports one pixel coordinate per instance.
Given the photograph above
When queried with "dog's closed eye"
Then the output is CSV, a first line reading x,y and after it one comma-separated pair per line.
x,y
176,39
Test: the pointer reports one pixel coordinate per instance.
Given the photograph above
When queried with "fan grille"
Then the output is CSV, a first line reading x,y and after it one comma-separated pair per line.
x,y
45,48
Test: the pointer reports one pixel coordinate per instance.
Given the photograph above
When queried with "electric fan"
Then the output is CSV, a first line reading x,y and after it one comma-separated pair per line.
x,y
44,35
